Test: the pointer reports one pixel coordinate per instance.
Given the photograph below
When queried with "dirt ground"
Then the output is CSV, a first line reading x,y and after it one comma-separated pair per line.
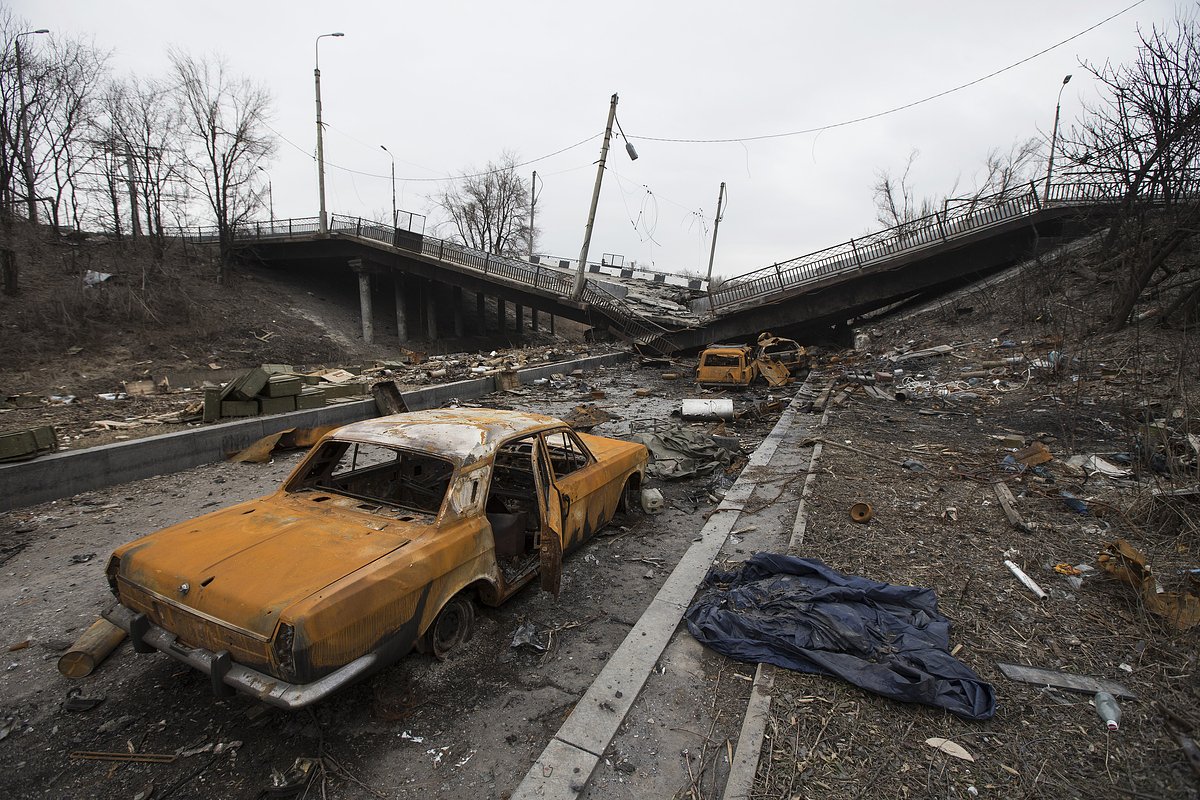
x,y
469,726
938,523
64,345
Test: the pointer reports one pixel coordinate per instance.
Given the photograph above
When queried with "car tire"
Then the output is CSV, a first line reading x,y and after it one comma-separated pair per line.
x,y
453,626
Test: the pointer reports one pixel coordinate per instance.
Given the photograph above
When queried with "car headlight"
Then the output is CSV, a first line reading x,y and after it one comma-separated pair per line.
x,y
111,570
285,637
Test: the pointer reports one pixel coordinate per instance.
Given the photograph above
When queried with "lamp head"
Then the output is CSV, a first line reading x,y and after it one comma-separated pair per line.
x,y
1066,80
633,156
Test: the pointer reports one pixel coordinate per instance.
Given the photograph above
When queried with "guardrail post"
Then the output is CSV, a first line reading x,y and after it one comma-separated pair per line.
x,y
1037,205
941,223
441,250
779,276
537,279
485,263
857,258
358,227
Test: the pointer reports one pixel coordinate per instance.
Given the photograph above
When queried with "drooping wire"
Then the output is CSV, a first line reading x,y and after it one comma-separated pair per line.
x,y
895,109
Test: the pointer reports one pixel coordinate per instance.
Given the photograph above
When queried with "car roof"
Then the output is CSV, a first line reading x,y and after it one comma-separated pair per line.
x,y
462,435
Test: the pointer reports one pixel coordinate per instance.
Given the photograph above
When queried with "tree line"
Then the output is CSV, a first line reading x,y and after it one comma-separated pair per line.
x,y
84,149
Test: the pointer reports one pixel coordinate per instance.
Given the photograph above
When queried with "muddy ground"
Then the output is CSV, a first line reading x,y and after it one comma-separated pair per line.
x,y
468,726
938,523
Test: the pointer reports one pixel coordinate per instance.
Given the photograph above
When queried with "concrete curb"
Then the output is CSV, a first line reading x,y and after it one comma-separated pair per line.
x,y
740,782
565,766
69,473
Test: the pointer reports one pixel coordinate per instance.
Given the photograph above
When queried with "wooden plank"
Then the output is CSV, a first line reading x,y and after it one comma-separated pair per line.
x,y
1063,680
1009,504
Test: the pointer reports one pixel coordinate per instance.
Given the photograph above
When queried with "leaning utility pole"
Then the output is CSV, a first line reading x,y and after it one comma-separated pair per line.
x,y
580,279
716,224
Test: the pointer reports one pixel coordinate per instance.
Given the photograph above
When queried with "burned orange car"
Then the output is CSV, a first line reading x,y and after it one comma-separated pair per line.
x,y
379,542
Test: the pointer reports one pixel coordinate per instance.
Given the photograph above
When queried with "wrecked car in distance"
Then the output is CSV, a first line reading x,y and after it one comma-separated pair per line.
x,y
380,541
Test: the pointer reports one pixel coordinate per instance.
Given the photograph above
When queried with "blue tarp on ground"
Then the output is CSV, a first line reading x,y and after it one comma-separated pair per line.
x,y
800,614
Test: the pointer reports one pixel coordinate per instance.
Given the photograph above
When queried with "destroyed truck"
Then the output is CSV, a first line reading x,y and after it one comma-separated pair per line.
x,y
776,359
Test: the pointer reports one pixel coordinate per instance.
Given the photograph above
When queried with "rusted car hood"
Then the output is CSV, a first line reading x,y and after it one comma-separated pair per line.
x,y
244,565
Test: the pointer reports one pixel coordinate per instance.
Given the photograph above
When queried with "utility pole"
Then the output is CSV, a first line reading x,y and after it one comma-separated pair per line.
x,y
716,224
580,279
323,220
532,207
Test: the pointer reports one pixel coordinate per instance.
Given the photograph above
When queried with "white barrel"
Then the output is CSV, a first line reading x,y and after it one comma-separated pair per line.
x,y
720,408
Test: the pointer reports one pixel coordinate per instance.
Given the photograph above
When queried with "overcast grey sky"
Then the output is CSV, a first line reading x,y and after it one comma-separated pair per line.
x,y
449,85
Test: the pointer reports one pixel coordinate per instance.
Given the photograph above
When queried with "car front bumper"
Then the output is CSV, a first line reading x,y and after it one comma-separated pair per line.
x,y
226,675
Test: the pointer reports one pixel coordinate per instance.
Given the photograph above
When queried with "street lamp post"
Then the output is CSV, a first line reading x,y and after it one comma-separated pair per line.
x,y
270,194
393,158
1054,139
580,280
532,207
323,224
23,123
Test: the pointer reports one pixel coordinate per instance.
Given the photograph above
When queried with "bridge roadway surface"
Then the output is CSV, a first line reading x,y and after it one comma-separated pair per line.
x,y
483,717
804,297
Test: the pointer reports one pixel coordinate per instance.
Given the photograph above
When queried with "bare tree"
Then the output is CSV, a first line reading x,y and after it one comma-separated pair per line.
x,y
895,203
224,120
1141,145
489,209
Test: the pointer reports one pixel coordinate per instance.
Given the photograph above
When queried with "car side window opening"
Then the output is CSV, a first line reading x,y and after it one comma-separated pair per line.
x,y
566,453
719,360
378,474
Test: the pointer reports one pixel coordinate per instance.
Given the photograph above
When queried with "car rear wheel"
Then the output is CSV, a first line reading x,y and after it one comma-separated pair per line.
x,y
454,625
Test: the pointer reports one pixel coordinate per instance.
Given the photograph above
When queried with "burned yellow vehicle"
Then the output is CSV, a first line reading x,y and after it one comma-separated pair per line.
x,y
379,542
776,359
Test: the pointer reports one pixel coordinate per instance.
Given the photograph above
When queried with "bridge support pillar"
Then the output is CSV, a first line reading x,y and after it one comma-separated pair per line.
x,y
533,319
457,303
431,322
551,324
519,323
480,319
364,300
500,314
401,309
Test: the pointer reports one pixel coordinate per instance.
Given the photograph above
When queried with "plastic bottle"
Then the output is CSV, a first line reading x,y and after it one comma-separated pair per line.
x,y
1108,710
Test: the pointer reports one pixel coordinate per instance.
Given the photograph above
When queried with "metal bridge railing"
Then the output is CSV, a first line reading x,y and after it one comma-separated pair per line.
x,y
937,228
628,322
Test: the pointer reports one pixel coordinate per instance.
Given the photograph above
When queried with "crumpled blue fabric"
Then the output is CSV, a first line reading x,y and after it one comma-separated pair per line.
x,y
799,614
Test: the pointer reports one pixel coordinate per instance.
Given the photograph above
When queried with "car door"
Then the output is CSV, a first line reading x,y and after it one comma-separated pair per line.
x,y
578,481
550,543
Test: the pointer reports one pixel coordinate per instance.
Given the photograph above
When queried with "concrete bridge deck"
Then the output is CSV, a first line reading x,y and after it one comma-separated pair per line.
x,y
802,297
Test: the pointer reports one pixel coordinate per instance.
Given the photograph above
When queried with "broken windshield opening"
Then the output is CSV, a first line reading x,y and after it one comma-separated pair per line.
x,y
378,474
